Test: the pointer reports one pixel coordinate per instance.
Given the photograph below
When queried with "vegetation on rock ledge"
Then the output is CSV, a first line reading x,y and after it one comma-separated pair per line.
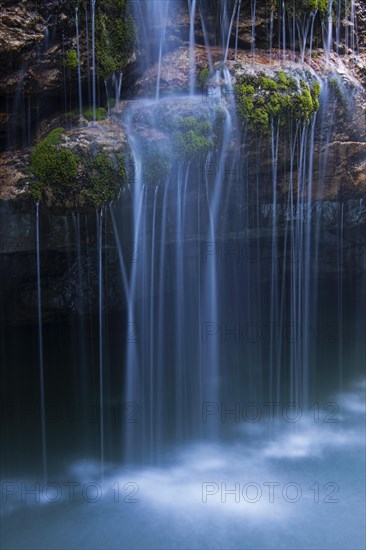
x,y
52,165
113,49
106,175
71,60
63,177
261,99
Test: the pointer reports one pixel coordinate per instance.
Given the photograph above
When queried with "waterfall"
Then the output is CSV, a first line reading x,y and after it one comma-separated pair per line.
x,y
94,76
17,107
309,300
192,55
100,336
312,34
237,29
253,7
107,96
340,244
40,351
328,46
152,20
229,31
284,30
160,359
85,355
205,37
79,62
161,54
293,30
271,35
118,86
303,30
87,52
338,24
274,282
353,26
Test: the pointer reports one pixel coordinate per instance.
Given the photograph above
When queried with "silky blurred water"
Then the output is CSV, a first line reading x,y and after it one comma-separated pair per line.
x,y
299,485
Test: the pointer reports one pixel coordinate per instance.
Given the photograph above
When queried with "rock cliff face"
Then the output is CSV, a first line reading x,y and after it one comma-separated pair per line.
x,y
37,88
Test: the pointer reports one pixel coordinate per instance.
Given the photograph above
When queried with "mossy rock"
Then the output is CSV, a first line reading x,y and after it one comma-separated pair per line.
x,y
192,137
66,178
113,49
156,164
261,99
51,165
105,177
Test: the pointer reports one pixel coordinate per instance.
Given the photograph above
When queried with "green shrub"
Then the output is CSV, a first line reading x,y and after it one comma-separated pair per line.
x,y
71,60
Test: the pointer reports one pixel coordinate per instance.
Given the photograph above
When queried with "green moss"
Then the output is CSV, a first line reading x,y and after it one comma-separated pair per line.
x,y
268,83
315,94
156,165
62,176
261,99
304,7
286,83
218,125
71,60
259,118
203,76
245,100
190,144
315,89
113,49
100,113
51,165
106,176
36,189
304,106
197,125
191,137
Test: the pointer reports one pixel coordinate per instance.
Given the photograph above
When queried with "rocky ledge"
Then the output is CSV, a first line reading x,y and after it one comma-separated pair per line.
x,y
87,146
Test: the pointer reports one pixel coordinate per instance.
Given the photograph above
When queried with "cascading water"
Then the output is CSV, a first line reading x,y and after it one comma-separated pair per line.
x,y
40,352
253,8
87,39
100,337
79,62
237,29
192,60
94,76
